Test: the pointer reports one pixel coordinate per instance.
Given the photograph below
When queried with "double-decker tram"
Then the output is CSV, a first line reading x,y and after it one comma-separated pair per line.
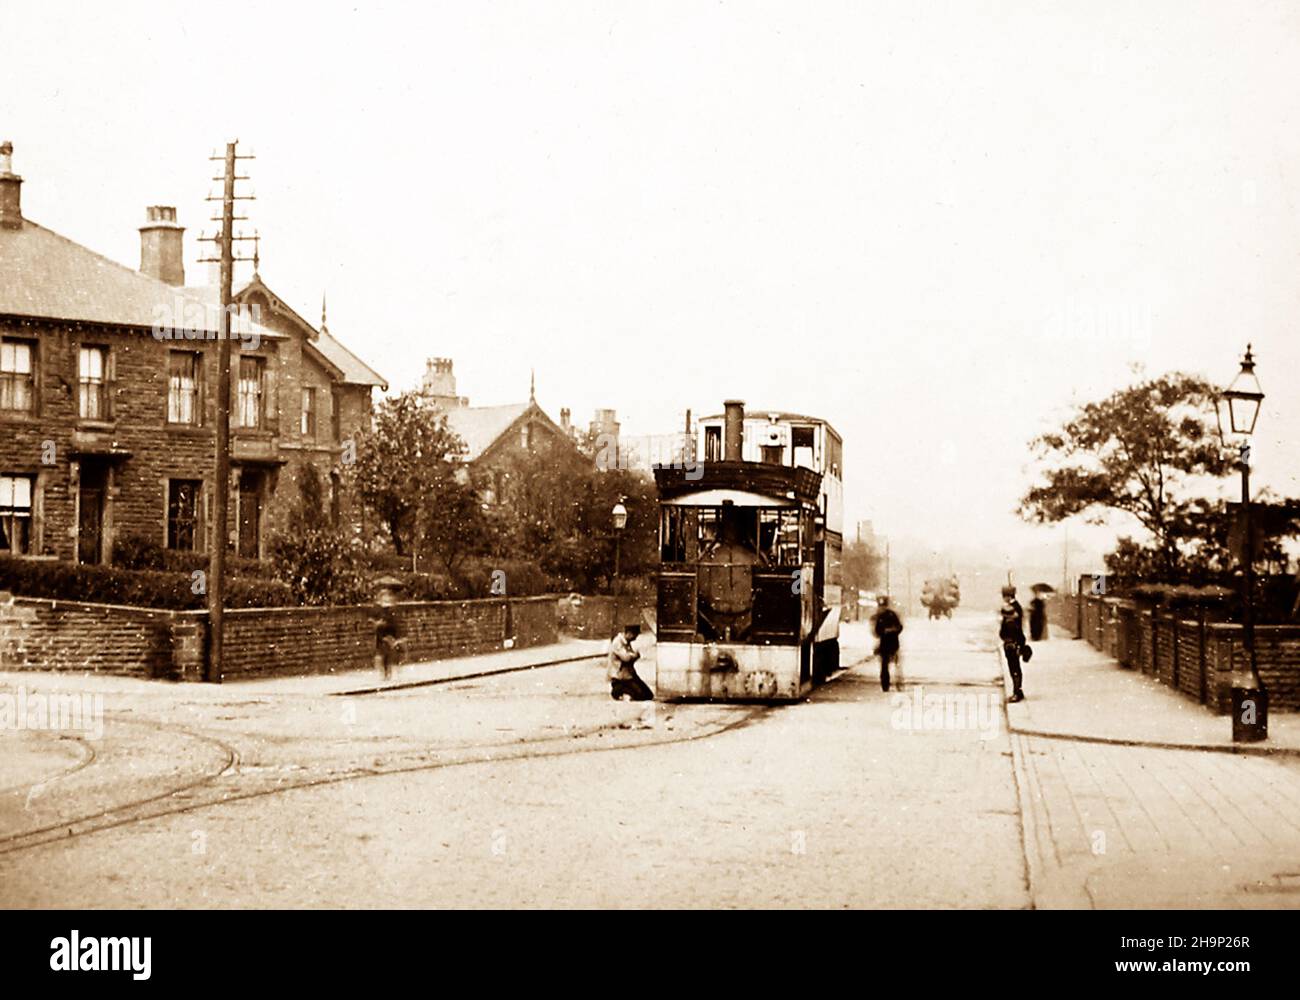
x,y
749,579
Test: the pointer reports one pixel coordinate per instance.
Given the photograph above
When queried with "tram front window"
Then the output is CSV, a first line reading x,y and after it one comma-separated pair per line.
x,y
778,537
708,529
735,535
672,535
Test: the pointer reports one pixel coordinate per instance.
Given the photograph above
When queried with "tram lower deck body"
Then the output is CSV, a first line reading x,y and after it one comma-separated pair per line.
x,y
725,671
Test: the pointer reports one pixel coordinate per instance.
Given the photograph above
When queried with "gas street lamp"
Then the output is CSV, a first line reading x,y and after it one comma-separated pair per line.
x,y
619,514
1237,410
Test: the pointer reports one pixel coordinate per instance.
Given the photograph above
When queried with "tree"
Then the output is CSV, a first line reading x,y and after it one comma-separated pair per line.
x,y
556,511
860,566
1136,451
314,556
407,462
454,525
1209,539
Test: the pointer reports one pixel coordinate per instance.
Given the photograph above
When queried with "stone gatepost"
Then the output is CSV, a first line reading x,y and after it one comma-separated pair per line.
x,y
189,648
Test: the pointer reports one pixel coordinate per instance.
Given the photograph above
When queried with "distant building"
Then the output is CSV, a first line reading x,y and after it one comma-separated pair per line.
x,y
497,438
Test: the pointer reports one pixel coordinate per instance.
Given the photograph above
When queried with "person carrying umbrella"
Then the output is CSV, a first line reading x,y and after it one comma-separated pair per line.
x,y
1038,612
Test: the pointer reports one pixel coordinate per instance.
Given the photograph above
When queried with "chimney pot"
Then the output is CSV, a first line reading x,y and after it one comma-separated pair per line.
x,y
162,247
439,382
11,200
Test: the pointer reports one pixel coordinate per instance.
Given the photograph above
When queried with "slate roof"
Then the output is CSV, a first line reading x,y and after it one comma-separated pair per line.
x,y
351,368
48,276
480,426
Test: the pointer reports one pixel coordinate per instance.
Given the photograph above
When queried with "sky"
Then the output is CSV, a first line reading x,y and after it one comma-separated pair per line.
x,y
936,225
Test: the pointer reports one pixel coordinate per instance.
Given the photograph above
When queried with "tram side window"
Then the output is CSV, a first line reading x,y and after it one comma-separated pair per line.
x,y
834,566
834,456
802,443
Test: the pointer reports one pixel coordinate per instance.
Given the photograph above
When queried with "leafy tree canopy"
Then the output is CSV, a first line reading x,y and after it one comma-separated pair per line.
x,y
405,463
1138,451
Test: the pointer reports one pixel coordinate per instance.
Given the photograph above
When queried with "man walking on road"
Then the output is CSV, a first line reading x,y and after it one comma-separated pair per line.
x,y
1011,630
624,684
887,625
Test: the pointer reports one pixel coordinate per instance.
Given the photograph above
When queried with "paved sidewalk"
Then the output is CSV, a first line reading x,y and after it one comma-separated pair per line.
x,y
1124,808
1074,690
413,674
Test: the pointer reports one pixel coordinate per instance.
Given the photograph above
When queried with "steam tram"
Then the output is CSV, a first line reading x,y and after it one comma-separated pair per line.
x,y
750,539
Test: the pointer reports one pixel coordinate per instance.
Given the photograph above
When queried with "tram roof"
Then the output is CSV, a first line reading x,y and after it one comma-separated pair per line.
x,y
755,412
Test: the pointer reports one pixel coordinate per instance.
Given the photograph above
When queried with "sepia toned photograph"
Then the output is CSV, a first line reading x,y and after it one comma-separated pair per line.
x,y
613,455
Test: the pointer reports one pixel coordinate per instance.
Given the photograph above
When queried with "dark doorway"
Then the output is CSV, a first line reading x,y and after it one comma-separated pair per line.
x,y
90,517
250,514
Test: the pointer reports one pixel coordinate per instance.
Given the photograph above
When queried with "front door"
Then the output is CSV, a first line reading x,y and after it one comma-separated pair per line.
x,y
250,514
90,517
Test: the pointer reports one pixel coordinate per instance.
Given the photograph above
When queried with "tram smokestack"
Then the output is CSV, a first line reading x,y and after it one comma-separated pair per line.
x,y
734,432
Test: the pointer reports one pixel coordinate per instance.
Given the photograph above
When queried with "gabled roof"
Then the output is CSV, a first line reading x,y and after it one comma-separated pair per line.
x,y
353,368
320,342
48,276
480,426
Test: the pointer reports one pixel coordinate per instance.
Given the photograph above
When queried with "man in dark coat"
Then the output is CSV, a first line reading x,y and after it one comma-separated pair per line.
x,y
887,626
1011,630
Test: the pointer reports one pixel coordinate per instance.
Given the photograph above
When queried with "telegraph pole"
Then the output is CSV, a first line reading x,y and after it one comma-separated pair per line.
x,y
1065,561
225,240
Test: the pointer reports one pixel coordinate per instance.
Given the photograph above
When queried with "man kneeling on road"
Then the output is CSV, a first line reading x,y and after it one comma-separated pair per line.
x,y
624,684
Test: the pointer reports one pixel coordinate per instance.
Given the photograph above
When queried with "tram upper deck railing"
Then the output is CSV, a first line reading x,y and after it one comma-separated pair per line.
x,y
767,479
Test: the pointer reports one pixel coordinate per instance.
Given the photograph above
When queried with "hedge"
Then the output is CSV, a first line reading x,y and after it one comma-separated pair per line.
x,y
69,581
137,552
480,578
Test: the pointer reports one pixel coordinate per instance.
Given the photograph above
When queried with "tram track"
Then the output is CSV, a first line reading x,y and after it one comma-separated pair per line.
x,y
86,757
158,806
214,792
231,760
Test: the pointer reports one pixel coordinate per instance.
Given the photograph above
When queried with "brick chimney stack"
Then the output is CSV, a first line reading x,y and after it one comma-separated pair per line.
x,y
11,200
439,384
161,247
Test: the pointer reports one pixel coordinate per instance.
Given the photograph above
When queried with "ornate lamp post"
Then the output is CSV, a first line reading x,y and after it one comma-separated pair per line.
x,y
620,522
1238,409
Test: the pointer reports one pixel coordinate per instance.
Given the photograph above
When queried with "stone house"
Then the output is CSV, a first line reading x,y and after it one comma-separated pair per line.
x,y
499,439
107,408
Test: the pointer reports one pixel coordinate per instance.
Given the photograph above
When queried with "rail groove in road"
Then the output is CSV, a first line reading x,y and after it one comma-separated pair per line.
x,y
231,755
86,754
156,806
152,807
